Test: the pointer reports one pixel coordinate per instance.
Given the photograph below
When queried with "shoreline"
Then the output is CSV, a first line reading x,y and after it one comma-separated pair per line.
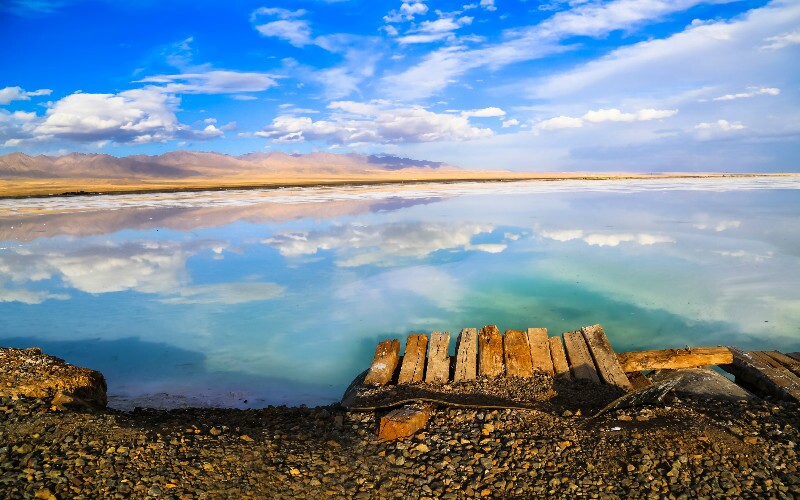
x,y
76,187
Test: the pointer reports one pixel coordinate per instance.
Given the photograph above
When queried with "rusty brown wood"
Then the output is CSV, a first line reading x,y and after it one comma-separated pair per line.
x,y
438,360
413,368
608,368
403,422
759,372
517,354
466,355
560,365
541,359
580,359
673,359
490,352
384,363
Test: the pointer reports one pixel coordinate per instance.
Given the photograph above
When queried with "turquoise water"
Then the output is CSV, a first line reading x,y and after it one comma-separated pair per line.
x,y
278,297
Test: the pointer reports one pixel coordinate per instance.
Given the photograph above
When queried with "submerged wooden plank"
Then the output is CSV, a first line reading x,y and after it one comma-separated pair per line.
x,y
490,351
466,355
403,422
791,364
517,354
674,359
560,365
605,360
759,372
580,360
387,355
541,358
438,361
413,367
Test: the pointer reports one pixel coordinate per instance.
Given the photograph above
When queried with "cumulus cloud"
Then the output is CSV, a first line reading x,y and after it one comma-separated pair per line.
x,y
720,125
406,12
374,124
484,113
605,239
287,26
9,94
510,123
605,115
384,244
488,4
752,93
432,31
782,41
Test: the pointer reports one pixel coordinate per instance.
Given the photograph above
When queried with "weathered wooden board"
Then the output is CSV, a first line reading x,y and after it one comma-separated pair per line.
x,y
674,359
413,368
490,351
541,359
791,364
387,355
517,354
580,359
560,365
608,368
758,371
794,355
638,380
466,355
403,422
438,360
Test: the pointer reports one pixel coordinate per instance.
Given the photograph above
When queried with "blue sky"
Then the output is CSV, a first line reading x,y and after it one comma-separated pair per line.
x,y
638,85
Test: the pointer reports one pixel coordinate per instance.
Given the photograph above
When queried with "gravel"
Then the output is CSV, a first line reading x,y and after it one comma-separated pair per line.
x,y
689,448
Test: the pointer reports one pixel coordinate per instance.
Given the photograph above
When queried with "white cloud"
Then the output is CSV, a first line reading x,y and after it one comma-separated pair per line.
x,y
213,82
432,31
484,113
782,41
605,115
723,125
28,296
376,124
295,31
488,4
9,94
720,226
277,12
407,12
560,122
754,92
510,123
605,239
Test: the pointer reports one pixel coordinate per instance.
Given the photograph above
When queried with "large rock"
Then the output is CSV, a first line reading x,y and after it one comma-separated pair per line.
x,y
30,373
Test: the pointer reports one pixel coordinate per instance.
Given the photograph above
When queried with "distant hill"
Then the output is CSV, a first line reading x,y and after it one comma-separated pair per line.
x,y
190,164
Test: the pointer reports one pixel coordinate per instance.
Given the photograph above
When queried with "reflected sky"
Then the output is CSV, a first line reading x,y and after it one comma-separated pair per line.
x,y
279,297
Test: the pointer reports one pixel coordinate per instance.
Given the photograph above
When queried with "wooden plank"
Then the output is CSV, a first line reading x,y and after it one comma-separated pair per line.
x,y
413,367
541,359
387,356
490,352
560,365
758,371
438,361
791,364
580,359
403,422
604,358
638,380
517,354
466,355
674,359
794,355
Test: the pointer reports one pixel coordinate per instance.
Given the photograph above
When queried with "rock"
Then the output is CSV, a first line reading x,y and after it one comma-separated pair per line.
x,y
750,440
30,373
45,494
403,422
422,448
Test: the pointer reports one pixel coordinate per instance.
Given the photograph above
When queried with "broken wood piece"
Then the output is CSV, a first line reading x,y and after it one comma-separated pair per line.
x,y
490,351
580,359
758,371
387,356
638,380
791,364
541,359
403,422
517,354
674,359
438,361
608,368
560,365
413,367
466,355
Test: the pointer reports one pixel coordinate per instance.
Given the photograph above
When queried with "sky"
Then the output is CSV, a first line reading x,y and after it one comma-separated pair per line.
x,y
553,85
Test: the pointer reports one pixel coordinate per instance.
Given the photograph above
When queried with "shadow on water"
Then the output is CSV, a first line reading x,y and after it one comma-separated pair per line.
x,y
146,374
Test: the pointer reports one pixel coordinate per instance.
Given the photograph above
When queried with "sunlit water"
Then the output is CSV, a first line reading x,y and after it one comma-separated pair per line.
x,y
249,298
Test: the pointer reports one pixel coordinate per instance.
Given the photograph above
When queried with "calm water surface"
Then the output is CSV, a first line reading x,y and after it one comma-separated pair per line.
x,y
279,297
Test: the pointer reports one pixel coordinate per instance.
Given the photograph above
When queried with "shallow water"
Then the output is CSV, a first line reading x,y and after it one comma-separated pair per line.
x,y
249,298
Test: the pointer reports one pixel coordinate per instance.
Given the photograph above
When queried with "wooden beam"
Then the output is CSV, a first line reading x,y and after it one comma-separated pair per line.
x,y
466,355
517,354
403,422
760,372
560,365
490,351
580,359
605,360
794,355
387,355
438,360
540,351
790,364
674,359
413,367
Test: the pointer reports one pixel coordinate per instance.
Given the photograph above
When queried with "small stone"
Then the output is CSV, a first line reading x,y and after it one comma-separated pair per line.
x,y
294,472
422,448
333,444
154,491
245,437
750,440
625,418
45,494
486,492
214,431
564,444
